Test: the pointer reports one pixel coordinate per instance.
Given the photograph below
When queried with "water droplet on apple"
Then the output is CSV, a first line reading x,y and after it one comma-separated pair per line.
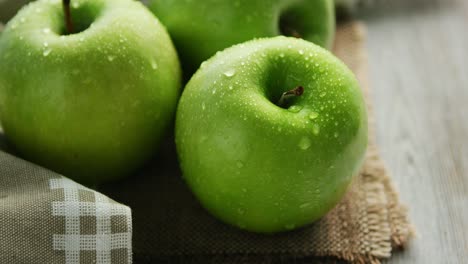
x,y
322,94
282,55
214,91
230,87
335,134
154,65
110,58
230,73
315,129
75,4
239,164
244,190
45,44
304,205
46,52
290,226
203,106
295,108
301,52
240,211
313,115
203,138
304,143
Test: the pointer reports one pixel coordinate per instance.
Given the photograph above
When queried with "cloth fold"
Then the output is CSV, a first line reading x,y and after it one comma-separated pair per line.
x,y
47,218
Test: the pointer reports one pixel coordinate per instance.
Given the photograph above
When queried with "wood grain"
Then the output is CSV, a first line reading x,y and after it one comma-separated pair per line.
x,y
418,66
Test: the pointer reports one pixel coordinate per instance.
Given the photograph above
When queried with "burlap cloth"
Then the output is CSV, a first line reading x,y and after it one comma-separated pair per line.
x,y
170,226
46,218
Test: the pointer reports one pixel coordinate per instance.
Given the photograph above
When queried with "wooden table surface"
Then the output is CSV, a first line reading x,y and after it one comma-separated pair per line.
x,y
418,56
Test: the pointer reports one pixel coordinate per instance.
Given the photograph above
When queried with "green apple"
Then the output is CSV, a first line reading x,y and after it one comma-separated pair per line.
x,y
200,28
257,158
91,104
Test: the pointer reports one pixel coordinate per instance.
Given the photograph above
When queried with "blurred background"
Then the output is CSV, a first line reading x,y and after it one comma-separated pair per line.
x,y
418,54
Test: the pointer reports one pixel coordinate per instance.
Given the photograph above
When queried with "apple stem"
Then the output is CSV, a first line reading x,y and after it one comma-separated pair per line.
x,y
298,91
292,32
68,20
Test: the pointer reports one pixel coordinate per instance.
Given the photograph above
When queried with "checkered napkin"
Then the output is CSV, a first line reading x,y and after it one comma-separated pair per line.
x,y
47,218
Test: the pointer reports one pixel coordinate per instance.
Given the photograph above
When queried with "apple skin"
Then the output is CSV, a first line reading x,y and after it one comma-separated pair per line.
x,y
259,166
200,28
91,105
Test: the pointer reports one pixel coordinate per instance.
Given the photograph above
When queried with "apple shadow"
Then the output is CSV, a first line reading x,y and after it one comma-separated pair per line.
x,y
8,8
4,145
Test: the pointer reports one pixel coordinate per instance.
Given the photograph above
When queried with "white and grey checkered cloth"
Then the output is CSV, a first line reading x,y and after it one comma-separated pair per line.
x,y
58,220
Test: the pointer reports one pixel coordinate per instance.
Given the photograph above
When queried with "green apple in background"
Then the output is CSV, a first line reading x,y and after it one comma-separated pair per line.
x,y
93,103
269,133
200,28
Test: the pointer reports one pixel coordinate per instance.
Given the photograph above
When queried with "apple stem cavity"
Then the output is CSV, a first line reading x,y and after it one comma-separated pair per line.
x,y
286,28
68,20
298,91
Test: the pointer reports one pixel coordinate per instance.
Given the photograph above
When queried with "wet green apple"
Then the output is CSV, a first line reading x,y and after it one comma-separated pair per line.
x,y
93,103
200,28
270,133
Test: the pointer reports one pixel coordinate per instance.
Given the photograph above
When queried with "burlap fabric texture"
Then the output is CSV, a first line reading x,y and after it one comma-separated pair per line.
x,y
46,218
